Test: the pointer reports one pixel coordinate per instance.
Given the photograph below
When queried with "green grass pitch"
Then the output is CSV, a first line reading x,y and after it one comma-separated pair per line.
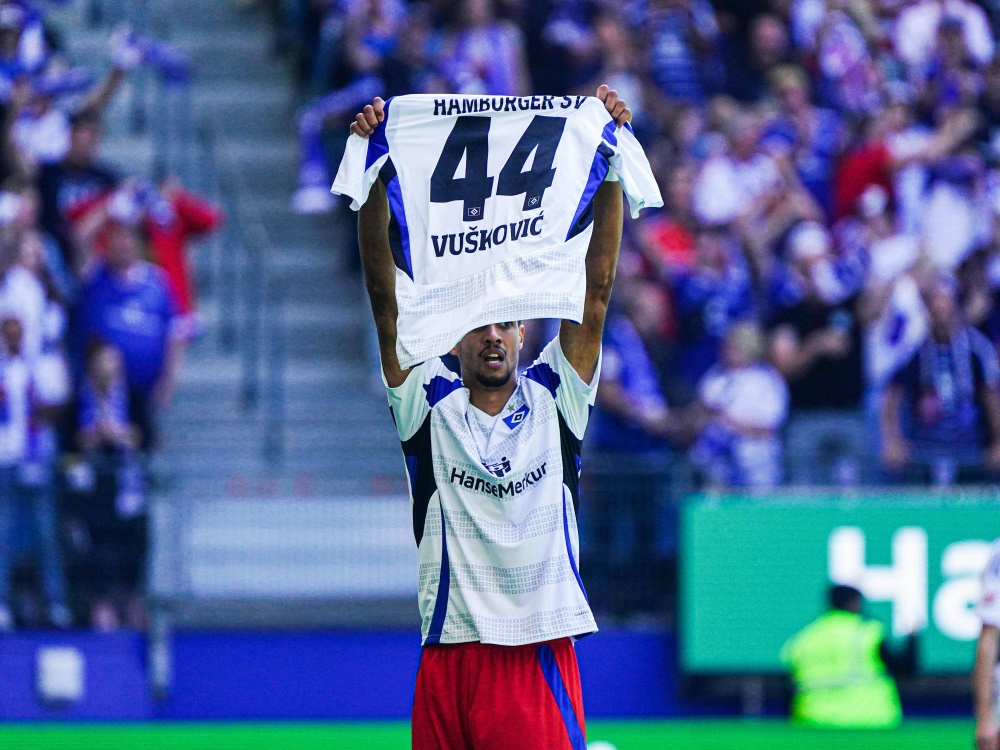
x,y
623,735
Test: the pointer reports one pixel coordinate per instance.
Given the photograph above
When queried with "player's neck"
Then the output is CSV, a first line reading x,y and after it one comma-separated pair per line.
x,y
491,400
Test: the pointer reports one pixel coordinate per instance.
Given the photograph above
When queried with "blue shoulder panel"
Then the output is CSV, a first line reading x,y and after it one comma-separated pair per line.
x,y
439,388
542,373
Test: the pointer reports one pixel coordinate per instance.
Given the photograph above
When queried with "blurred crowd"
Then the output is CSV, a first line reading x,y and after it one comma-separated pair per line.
x,y
96,308
818,303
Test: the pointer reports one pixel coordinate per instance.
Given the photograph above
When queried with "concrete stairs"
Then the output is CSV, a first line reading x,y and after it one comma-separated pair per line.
x,y
336,432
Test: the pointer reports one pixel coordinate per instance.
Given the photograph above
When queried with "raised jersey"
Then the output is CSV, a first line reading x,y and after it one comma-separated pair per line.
x,y
494,515
491,206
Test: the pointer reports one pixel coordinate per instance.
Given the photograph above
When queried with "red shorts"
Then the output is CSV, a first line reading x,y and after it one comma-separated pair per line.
x,y
473,696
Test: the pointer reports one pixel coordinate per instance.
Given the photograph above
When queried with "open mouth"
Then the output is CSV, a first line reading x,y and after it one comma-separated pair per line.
x,y
494,358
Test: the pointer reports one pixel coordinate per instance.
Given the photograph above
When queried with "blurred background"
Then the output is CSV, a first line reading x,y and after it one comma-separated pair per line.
x,y
203,513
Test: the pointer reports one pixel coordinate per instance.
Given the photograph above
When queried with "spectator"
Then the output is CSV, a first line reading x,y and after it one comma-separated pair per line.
x,y
630,433
916,32
23,290
32,392
709,298
949,392
411,67
848,74
561,43
952,78
485,54
746,401
809,138
618,66
667,238
127,303
816,345
22,42
740,181
69,187
371,35
683,47
41,120
891,307
176,216
748,67
111,440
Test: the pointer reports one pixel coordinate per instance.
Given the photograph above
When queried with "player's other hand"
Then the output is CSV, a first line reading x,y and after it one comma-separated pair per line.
x,y
616,107
368,119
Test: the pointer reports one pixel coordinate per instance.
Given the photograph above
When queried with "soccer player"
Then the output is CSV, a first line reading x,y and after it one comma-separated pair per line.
x,y
985,674
493,460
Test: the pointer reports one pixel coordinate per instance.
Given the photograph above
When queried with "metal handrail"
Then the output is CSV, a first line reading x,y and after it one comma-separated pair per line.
x,y
261,291
223,248
274,439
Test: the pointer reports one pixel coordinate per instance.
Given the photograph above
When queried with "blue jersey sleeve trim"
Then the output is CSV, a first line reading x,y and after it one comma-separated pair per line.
x,y
378,146
543,374
399,231
584,215
439,388
608,133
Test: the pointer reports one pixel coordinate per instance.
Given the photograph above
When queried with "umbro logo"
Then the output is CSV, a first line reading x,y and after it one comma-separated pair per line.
x,y
533,202
473,212
517,417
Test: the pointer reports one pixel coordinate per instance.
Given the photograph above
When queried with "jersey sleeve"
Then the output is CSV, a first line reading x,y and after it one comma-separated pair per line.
x,y
629,165
988,608
423,388
574,398
362,162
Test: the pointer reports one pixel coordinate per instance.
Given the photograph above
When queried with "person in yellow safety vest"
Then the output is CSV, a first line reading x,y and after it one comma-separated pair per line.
x,y
841,668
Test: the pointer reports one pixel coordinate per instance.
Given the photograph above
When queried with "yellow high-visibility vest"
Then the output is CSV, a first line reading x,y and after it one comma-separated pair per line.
x,y
840,678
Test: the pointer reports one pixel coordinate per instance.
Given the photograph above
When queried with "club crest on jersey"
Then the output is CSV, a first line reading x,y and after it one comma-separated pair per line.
x,y
500,469
517,417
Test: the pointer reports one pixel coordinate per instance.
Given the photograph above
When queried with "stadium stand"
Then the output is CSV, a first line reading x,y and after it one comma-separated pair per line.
x,y
830,169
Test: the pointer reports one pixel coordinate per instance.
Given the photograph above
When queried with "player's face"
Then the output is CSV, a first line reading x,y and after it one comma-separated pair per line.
x,y
123,245
489,354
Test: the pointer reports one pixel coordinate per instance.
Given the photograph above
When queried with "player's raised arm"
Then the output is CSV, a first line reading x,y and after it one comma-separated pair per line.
x,y
376,257
581,343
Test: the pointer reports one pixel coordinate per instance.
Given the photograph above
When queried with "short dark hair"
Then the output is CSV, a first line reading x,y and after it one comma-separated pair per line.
x,y
844,597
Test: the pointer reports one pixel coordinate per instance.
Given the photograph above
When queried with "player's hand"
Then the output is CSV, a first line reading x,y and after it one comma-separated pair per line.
x,y
368,119
616,107
987,735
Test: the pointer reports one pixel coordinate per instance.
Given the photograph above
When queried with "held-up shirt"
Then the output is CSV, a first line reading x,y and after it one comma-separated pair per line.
x,y
491,206
495,503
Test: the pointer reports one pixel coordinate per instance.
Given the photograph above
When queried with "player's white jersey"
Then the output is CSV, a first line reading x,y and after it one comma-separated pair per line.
x,y
491,206
989,602
494,515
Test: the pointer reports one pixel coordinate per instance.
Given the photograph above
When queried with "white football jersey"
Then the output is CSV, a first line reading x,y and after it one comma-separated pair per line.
x,y
491,205
494,515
